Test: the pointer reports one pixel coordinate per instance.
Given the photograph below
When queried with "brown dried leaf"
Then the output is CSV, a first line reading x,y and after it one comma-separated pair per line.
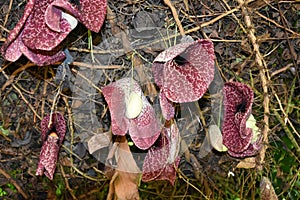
x,y
124,183
247,163
267,191
99,141
123,186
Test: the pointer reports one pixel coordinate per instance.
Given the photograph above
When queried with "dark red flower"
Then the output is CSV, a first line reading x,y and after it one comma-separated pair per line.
x,y
45,24
162,159
183,72
53,133
237,137
133,115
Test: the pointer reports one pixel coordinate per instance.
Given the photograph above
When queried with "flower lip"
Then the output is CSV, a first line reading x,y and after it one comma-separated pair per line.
x,y
53,128
39,33
237,137
161,160
144,128
58,126
184,71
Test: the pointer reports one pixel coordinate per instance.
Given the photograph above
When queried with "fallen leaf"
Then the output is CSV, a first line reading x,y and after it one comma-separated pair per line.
x,y
99,141
215,138
267,191
247,163
124,183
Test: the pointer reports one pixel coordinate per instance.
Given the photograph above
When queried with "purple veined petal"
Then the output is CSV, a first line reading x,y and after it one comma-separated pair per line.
x,y
53,128
115,99
13,51
168,110
53,17
48,157
58,125
145,129
238,100
156,159
42,58
156,165
170,53
42,28
91,13
169,172
13,34
187,70
37,35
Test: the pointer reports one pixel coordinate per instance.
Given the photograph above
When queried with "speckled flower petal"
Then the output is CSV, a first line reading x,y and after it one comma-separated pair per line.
x,y
37,35
48,157
40,57
168,110
145,128
115,99
58,125
91,13
156,166
42,28
9,49
184,71
238,100
51,143
156,159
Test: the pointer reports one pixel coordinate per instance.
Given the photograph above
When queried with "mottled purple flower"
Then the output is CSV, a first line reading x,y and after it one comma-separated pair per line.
x,y
53,133
131,112
183,72
162,158
45,24
237,137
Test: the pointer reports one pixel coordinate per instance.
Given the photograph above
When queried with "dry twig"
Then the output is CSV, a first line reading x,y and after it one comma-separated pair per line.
x,y
18,187
264,77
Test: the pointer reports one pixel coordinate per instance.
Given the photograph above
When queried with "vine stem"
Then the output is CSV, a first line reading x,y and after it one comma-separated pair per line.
x,y
264,77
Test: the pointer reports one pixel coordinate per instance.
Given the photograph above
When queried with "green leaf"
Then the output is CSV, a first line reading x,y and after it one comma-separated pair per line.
x,y
4,131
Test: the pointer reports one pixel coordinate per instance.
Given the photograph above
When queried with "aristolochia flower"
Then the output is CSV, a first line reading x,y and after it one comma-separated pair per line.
x,y
131,112
183,72
45,24
240,135
53,133
162,158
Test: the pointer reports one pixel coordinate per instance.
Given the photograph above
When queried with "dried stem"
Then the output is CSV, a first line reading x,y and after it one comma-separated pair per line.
x,y
264,77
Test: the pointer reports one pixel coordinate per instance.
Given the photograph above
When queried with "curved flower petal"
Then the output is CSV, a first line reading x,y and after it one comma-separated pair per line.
x,y
115,98
143,129
90,12
43,27
238,100
168,110
156,165
156,159
53,132
48,157
36,35
57,125
184,71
